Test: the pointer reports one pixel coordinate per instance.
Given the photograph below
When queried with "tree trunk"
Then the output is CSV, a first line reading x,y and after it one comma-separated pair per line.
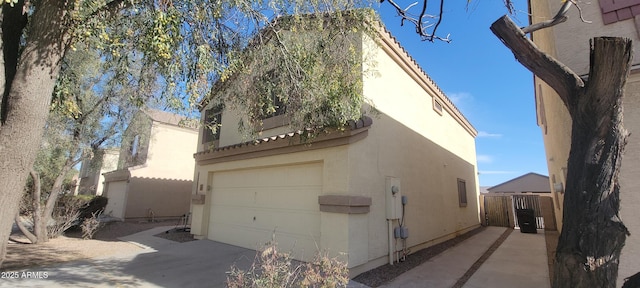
x,y
56,189
24,230
593,235
39,227
28,107
13,22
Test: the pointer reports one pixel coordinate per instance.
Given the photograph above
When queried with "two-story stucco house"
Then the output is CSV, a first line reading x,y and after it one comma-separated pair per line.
x,y
569,43
343,191
155,168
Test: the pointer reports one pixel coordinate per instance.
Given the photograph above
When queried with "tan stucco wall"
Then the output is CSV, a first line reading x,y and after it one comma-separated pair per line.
x,y
92,180
407,141
570,40
572,37
163,197
109,163
170,153
630,182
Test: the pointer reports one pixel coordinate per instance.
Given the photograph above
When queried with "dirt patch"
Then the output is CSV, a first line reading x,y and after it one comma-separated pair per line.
x,y
72,247
386,273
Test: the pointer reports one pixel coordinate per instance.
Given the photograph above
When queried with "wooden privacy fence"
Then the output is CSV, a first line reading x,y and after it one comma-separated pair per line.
x,y
497,211
501,210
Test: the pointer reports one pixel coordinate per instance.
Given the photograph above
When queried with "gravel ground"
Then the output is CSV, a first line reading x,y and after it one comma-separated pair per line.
x,y
72,247
386,273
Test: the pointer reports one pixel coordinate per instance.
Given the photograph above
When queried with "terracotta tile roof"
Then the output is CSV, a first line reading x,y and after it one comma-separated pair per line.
x,y
618,10
365,121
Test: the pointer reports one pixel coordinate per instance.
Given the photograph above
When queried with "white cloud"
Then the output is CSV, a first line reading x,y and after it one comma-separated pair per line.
x,y
488,135
484,158
459,97
493,172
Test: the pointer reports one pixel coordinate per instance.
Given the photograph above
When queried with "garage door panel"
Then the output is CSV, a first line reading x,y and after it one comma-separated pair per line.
x,y
237,197
288,221
283,199
304,247
289,198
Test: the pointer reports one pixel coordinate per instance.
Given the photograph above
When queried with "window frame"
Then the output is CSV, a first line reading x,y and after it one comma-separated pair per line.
x,y
462,192
213,113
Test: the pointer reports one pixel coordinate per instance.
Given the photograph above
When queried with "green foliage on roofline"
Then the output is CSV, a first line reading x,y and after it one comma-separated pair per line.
x,y
312,64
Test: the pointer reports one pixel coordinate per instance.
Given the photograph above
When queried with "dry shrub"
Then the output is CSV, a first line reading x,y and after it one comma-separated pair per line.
x,y
65,214
274,269
91,225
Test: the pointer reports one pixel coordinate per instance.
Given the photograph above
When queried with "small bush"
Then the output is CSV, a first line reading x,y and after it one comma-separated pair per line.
x,y
91,225
274,269
95,204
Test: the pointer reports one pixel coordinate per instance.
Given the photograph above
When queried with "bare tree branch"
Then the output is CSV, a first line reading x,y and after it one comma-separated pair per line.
x,y
420,20
554,73
559,18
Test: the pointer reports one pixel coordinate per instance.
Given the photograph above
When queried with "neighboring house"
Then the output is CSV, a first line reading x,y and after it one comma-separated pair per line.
x,y
155,168
92,170
527,183
337,193
569,43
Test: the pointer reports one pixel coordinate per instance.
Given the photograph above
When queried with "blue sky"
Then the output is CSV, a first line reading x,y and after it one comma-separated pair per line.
x,y
481,76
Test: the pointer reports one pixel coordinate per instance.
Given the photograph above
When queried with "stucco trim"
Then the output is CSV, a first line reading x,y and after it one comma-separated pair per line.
x,y
284,144
117,175
346,204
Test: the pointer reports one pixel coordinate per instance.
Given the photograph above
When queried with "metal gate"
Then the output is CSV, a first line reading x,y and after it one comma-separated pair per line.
x,y
528,202
497,210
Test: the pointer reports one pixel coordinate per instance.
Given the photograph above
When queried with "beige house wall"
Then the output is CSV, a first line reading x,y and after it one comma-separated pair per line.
x,y
160,183
572,37
170,153
569,42
157,198
407,141
91,178
109,163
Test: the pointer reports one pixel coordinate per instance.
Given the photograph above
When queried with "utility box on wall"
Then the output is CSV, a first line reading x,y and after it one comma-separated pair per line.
x,y
392,198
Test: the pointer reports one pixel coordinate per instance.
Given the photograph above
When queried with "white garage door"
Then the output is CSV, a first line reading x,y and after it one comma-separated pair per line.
x,y
248,206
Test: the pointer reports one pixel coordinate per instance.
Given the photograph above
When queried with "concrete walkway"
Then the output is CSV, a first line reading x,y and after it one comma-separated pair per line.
x,y
520,261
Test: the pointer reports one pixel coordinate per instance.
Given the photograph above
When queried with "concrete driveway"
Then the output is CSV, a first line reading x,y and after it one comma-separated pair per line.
x,y
162,263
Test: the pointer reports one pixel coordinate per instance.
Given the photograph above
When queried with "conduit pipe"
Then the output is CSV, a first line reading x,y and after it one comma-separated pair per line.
x,y
390,221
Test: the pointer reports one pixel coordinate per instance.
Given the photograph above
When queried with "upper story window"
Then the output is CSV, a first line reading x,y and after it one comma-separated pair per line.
x,y
462,193
135,146
275,108
212,123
